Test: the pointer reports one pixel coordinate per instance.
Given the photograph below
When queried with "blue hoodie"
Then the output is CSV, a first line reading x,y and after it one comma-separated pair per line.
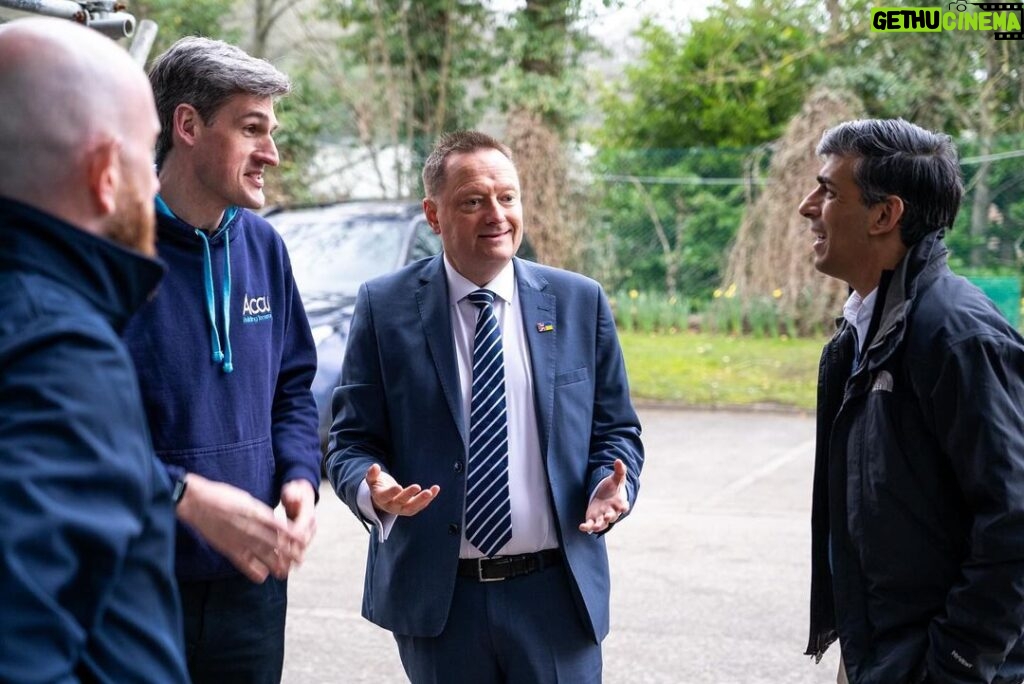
x,y
225,379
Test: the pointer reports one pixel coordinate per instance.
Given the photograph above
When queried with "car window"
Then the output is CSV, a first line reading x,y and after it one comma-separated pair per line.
x,y
424,242
338,256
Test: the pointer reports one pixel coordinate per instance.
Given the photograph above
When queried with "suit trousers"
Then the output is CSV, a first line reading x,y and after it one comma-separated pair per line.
x,y
523,630
234,630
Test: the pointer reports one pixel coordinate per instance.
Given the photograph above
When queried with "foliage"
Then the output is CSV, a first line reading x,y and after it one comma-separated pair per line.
x,y
542,94
650,312
728,83
544,45
726,314
732,80
304,117
1002,243
698,220
968,85
178,18
936,80
403,71
713,370
686,134
737,77
772,251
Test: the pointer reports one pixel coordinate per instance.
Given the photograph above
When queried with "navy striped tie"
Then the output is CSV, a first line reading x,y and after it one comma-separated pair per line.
x,y
488,511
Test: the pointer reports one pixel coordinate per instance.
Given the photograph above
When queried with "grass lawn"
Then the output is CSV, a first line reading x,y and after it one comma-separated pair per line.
x,y
699,369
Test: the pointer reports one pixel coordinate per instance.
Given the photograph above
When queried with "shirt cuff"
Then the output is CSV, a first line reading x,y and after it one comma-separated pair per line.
x,y
383,522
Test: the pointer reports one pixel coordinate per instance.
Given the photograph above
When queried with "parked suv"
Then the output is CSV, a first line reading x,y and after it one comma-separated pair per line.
x,y
334,249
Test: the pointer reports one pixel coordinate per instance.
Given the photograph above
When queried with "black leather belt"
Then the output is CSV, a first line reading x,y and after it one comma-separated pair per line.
x,y
505,567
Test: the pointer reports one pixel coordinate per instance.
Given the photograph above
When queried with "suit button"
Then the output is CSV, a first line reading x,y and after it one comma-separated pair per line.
x,y
458,466
453,529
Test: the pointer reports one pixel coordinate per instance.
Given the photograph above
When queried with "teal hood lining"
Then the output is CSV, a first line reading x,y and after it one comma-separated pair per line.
x,y
219,356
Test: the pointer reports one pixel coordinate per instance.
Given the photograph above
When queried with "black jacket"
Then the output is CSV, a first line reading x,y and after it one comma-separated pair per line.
x,y
918,509
86,550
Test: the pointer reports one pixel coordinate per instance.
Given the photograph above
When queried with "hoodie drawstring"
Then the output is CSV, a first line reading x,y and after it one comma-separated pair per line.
x,y
218,355
226,293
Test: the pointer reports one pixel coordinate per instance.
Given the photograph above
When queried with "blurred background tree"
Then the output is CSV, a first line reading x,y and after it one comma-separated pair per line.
x,y
730,82
541,90
641,158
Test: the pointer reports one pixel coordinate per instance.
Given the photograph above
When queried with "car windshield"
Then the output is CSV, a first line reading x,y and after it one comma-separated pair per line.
x,y
337,256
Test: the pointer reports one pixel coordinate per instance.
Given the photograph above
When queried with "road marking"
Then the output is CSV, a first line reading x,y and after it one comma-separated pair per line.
x,y
758,474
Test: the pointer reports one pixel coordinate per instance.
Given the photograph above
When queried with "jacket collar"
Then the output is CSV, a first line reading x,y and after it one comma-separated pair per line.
x,y
114,279
898,290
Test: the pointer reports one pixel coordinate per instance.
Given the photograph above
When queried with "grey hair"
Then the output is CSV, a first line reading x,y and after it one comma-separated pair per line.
x,y
205,73
456,142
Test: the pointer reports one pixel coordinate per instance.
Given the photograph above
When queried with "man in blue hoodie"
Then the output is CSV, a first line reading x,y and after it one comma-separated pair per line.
x,y
86,554
225,360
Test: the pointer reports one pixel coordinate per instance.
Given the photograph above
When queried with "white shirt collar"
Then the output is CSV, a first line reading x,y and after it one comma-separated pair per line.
x,y
858,311
459,287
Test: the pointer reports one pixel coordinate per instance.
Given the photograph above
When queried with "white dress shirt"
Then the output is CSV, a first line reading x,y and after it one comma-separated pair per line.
x,y
533,521
858,312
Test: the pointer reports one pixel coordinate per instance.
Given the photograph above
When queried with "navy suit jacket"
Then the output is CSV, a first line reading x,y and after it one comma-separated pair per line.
x,y
399,405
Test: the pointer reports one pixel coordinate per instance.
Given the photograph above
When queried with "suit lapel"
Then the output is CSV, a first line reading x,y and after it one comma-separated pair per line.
x,y
538,309
435,316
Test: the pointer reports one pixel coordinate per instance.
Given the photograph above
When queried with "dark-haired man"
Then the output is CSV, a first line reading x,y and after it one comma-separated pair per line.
x,y
918,511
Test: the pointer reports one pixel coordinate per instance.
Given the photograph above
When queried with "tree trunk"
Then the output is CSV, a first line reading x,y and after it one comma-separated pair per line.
x,y
979,206
265,16
536,136
834,15
985,126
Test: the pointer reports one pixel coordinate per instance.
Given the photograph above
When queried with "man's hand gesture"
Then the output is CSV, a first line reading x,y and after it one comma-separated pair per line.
x,y
609,502
390,497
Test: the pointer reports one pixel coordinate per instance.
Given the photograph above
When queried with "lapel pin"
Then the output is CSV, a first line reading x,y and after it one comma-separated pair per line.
x,y
545,327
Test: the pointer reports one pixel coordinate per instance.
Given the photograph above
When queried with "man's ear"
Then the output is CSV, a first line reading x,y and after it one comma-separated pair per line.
x,y
430,211
184,124
888,215
105,176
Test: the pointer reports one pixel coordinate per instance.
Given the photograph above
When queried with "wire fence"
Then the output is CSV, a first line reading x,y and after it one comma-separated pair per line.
x,y
663,222
657,227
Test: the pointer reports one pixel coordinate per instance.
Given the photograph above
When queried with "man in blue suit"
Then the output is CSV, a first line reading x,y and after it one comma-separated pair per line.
x,y
484,434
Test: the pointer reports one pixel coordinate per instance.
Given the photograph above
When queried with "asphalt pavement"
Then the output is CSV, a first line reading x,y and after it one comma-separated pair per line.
x,y
710,573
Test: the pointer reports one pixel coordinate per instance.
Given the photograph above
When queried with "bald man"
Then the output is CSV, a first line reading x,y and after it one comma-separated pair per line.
x,y
86,552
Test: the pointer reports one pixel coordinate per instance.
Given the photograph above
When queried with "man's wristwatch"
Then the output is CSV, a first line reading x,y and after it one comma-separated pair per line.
x,y
179,490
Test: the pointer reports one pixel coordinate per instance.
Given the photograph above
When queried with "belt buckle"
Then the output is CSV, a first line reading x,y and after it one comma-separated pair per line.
x,y
480,572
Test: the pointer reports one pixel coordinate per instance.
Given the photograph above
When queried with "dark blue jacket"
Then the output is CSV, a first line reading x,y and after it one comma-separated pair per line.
x,y
918,512
255,426
86,521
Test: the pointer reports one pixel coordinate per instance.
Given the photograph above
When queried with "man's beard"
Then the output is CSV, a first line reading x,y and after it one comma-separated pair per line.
x,y
133,225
